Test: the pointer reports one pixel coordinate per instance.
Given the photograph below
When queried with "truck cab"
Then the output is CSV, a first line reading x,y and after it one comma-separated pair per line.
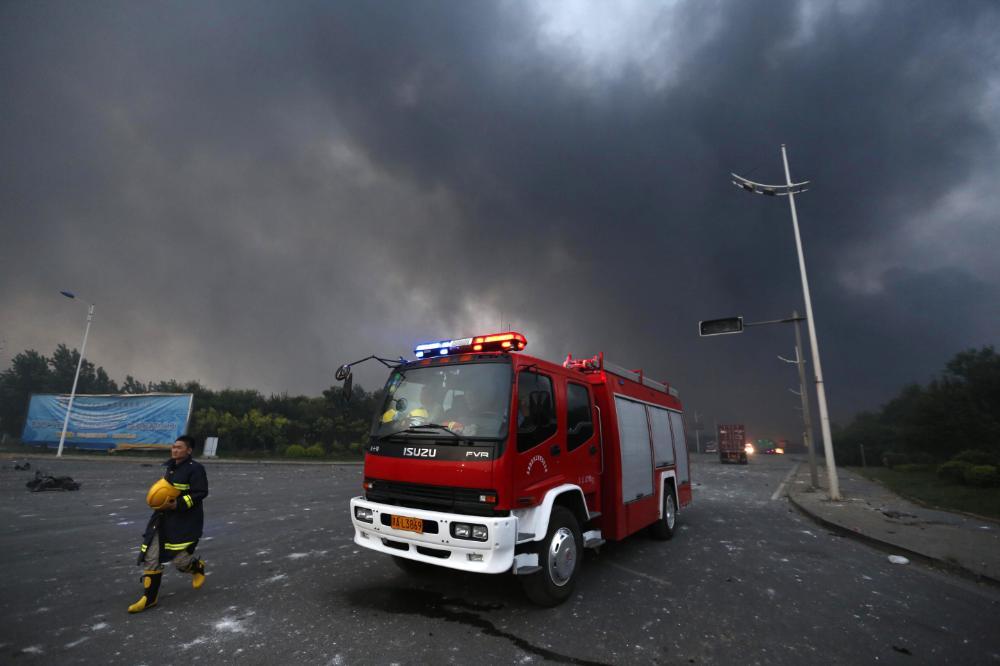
x,y
485,459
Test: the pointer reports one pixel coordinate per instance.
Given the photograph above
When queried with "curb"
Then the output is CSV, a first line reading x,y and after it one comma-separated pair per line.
x,y
891,548
928,505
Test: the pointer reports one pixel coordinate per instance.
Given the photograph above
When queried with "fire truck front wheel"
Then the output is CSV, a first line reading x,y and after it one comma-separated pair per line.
x,y
559,555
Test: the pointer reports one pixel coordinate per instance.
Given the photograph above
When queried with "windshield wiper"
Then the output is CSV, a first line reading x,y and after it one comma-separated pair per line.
x,y
436,426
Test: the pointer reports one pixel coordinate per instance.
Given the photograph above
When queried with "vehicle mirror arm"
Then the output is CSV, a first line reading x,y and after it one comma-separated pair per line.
x,y
345,369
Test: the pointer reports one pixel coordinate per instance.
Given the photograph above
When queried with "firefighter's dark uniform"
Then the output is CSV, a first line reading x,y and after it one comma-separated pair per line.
x,y
173,535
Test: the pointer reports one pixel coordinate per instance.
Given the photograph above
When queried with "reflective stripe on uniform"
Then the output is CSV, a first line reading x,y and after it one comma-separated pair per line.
x,y
181,486
188,500
144,547
177,546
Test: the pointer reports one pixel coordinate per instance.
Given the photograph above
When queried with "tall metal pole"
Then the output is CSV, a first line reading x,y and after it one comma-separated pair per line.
x,y
76,378
806,419
824,416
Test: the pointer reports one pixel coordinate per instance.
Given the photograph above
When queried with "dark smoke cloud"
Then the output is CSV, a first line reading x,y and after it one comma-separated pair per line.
x,y
254,192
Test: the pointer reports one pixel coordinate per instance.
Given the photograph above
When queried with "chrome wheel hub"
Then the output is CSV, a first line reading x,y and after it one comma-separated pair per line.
x,y
562,556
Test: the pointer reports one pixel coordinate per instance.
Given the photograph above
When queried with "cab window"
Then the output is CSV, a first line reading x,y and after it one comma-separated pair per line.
x,y
579,423
536,414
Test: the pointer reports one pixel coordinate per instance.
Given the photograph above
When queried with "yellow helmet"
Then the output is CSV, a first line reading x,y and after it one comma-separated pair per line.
x,y
161,492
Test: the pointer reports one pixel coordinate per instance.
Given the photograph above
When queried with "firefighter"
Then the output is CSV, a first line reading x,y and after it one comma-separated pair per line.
x,y
174,529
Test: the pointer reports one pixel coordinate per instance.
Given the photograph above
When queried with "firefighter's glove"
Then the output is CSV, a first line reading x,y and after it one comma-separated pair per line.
x,y
169,505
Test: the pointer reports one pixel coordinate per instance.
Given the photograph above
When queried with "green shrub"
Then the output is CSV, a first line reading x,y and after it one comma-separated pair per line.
x,y
891,459
913,467
976,457
295,451
982,475
315,451
953,470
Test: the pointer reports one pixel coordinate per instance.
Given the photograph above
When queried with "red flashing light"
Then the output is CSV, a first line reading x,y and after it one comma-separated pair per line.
x,y
510,341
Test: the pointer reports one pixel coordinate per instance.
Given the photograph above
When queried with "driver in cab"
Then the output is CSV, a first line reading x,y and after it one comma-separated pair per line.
x,y
475,410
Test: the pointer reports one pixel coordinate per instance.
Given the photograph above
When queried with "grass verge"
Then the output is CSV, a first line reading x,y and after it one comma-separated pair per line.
x,y
927,488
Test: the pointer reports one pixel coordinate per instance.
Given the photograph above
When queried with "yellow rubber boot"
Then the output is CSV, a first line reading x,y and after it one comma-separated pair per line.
x,y
198,574
151,585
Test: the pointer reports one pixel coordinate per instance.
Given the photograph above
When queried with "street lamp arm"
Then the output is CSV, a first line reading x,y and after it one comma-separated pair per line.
x,y
769,190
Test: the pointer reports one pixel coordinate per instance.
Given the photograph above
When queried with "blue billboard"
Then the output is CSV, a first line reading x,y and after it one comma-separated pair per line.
x,y
109,421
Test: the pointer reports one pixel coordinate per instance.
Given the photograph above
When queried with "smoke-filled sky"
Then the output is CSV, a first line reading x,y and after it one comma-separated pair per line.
x,y
255,192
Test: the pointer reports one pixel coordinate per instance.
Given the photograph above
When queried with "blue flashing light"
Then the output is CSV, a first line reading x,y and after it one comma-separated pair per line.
x,y
420,354
443,352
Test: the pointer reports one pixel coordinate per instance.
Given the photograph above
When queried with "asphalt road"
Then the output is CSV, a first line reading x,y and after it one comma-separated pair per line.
x,y
746,580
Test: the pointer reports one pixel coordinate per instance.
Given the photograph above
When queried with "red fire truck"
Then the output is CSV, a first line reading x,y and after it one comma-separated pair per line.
x,y
488,460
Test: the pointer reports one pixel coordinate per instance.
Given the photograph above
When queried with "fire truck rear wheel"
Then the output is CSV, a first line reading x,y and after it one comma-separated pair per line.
x,y
663,529
559,555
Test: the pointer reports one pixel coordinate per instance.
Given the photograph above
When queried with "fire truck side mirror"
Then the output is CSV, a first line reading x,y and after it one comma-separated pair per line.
x,y
720,326
344,374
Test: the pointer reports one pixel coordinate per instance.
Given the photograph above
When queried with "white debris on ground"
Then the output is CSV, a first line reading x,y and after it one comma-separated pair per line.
x,y
898,559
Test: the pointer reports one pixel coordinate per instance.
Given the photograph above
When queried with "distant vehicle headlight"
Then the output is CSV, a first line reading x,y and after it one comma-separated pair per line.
x,y
748,448
779,451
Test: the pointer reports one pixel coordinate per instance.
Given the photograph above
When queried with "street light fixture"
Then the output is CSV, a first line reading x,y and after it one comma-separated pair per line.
x,y
76,378
790,189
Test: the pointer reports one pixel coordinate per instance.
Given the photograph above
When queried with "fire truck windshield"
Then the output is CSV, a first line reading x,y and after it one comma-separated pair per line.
x,y
471,400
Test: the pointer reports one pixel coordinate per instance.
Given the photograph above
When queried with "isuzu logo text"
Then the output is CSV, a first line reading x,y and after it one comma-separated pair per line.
x,y
415,452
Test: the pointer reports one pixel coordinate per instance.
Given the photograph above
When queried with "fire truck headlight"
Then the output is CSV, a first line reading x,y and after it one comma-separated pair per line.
x,y
471,532
363,514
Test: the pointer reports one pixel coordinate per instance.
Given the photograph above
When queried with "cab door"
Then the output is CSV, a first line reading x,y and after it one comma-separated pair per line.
x,y
539,450
582,458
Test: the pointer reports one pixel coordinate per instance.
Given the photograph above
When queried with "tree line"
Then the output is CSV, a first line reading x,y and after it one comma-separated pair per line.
x,y
957,412
246,421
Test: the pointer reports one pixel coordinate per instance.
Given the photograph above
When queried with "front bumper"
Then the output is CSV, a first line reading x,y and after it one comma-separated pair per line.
x,y
495,555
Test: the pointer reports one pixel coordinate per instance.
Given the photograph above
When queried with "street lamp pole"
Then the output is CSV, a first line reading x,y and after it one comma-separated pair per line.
x,y
76,377
790,189
824,415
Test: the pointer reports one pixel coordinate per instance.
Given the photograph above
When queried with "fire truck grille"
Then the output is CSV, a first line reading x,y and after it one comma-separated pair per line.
x,y
432,498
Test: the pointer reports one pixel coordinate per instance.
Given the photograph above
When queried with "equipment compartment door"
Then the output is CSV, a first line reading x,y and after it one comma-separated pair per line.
x,y
636,458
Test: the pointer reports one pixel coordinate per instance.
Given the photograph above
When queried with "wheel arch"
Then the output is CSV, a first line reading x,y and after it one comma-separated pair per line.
x,y
668,484
535,520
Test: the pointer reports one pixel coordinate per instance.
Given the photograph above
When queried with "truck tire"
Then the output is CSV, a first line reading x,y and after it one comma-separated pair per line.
x,y
412,567
560,555
743,459
663,529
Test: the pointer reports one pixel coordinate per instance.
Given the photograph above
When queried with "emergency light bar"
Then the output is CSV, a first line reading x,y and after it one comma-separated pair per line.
x,y
494,342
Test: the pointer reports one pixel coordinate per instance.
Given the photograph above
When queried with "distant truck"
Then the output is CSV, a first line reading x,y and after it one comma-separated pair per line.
x,y
732,439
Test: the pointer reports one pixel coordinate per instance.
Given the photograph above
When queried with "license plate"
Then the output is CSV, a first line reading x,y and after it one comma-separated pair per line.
x,y
408,524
